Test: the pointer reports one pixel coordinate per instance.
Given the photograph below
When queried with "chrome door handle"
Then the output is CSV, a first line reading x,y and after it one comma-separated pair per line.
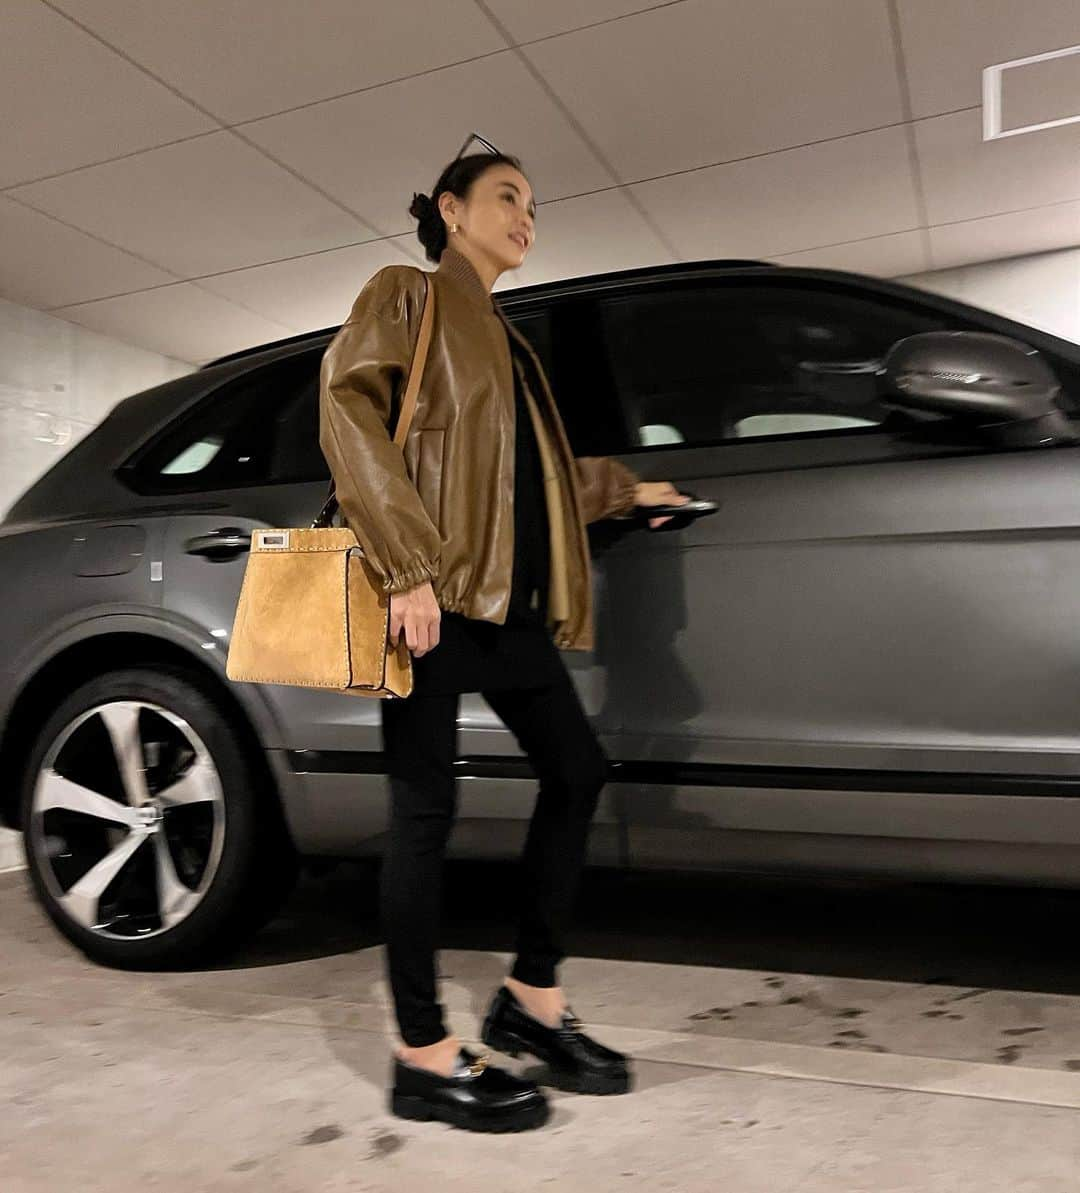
x,y
681,515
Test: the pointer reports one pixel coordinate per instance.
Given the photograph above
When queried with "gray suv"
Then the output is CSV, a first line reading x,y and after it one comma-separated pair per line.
x,y
865,661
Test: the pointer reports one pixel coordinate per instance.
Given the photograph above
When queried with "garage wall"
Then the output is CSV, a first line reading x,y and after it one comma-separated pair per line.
x,y
1043,289
57,381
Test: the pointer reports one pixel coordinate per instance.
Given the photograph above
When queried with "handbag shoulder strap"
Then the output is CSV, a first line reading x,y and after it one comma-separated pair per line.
x,y
408,402
416,371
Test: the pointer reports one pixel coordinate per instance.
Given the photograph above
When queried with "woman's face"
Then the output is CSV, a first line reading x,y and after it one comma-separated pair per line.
x,y
498,219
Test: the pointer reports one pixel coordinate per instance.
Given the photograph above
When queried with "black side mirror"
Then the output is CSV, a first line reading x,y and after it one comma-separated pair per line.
x,y
979,377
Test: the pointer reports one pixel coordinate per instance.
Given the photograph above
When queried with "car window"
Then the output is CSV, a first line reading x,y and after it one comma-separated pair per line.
x,y
536,328
707,363
258,429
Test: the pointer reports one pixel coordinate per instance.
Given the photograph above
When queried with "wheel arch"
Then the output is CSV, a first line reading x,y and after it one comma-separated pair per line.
x,y
74,662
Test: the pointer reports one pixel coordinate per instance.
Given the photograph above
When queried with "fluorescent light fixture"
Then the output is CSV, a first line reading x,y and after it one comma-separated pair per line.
x,y
992,130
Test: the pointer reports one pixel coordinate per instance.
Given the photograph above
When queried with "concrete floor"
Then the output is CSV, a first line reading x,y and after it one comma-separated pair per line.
x,y
786,1036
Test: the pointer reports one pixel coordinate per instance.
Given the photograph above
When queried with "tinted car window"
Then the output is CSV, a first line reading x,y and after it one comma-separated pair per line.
x,y
260,428
536,328
704,364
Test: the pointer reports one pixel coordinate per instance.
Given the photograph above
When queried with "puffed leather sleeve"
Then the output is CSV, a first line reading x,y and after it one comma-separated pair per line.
x,y
606,486
361,383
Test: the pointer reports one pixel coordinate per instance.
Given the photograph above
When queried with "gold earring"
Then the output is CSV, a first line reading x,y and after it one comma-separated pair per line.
x,y
453,227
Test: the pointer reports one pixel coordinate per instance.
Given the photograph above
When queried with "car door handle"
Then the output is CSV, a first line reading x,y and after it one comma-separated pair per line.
x,y
219,544
681,515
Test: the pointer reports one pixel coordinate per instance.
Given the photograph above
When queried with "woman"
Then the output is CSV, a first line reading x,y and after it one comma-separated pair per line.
x,y
477,530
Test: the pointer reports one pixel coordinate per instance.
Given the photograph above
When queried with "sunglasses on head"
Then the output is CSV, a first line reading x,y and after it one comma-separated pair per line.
x,y
475,137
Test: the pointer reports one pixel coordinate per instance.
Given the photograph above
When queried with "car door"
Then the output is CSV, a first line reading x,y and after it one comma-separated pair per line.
x,y
247,457
876,592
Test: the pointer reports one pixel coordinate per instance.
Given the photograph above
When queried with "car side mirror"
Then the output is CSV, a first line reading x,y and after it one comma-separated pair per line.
x,y
979,377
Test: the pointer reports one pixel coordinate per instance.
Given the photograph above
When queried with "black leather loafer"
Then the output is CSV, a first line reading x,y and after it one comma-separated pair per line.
x,y
477,1096
577,1063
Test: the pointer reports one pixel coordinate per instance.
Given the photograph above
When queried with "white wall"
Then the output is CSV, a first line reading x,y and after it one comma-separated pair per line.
x,y
1043,289
57,381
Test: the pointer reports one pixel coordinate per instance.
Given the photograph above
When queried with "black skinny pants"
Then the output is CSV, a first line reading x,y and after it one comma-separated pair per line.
x,y
420,741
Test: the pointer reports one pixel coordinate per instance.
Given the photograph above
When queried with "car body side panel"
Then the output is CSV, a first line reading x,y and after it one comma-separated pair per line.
x,y
50,600
906,614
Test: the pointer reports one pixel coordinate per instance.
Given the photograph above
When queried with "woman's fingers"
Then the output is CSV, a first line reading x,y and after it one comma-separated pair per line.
x,y
421,633
420,624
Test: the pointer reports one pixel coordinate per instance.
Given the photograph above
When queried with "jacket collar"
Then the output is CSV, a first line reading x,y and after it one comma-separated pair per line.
x,y
460,269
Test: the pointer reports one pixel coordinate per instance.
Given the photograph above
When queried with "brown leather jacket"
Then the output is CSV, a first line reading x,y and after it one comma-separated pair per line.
x,y
441,508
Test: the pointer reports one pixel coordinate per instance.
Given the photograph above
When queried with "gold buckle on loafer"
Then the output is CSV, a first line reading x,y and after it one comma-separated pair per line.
x,y
477,1066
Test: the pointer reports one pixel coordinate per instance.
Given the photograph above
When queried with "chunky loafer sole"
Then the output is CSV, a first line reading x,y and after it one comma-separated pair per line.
x,y
576,1083
523,1118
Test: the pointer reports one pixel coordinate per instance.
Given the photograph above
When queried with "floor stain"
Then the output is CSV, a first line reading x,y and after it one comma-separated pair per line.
x,y
1009,1054
323,1134
1020,1031
711,1013
1072,1065
385,1144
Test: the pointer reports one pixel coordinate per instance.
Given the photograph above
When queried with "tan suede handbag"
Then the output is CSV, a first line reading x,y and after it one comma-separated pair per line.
x,y
311,611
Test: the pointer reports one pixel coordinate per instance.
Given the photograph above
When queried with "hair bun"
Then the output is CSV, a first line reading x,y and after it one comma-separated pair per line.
x,y
421,206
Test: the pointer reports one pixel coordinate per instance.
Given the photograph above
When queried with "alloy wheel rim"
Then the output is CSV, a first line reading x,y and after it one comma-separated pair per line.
x,y
127,819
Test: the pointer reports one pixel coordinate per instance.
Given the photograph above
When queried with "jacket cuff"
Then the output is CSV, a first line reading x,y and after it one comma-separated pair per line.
x,y
402,579
623,497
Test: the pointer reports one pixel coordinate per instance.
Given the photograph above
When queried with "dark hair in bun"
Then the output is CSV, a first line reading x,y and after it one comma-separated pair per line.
x,y
457,178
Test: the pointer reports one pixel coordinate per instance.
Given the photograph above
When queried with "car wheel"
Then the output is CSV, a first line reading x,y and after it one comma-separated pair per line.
x,y
151,838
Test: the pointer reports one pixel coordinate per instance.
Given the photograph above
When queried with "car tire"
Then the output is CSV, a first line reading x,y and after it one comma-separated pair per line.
x,y
200,858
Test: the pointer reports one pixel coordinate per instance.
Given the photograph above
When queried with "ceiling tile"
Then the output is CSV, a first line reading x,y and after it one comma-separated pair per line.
x,y
317,290
586,235
372,151
697,83
525,19
1009,235
965,176
947,45
248,58
183,321
880,256
47,264
67,100
850,189
201,206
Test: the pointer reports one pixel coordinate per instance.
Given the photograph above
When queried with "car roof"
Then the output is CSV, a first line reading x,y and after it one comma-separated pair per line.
x,y
525,296
541,290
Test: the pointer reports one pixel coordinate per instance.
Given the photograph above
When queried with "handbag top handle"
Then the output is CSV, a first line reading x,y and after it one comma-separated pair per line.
x,y
408,404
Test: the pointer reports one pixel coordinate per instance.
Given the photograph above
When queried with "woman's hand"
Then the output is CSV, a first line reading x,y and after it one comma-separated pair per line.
x,y
659,493
417,612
